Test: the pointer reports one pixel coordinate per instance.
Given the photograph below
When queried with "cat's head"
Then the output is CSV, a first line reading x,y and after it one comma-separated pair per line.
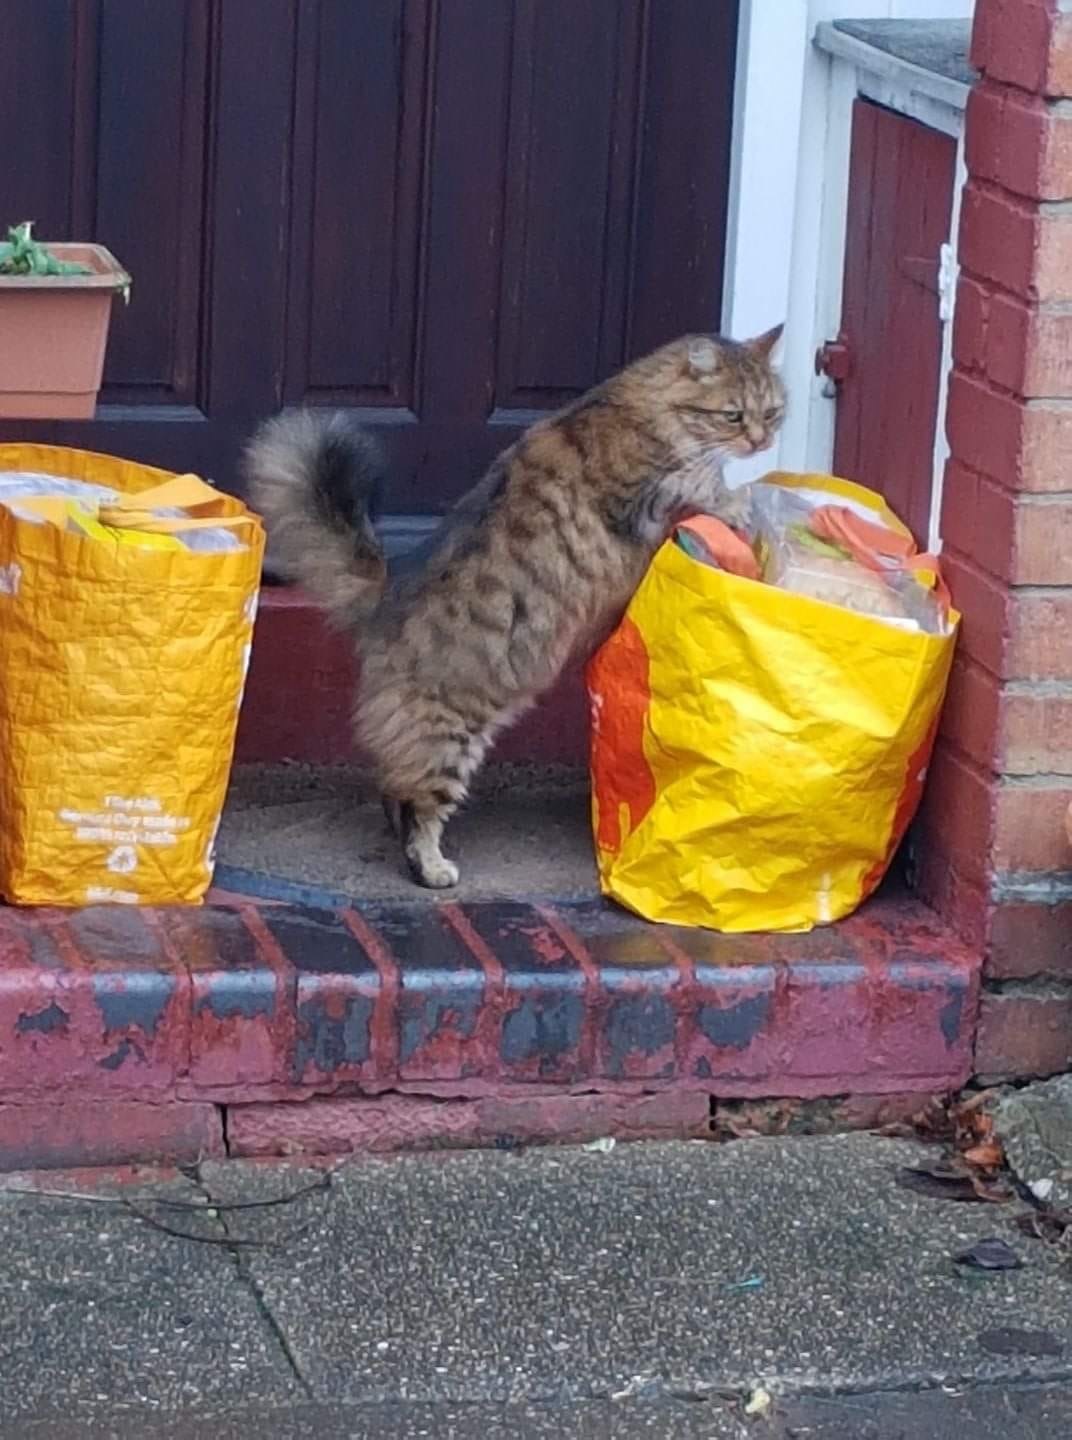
x,y
714,396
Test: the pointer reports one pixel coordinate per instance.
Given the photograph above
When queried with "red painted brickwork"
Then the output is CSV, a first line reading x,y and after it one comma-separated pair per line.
x,y
1019,141
1026,43
972,713
1029,825
1035,735
957,817
1024,447
1017,634
994,851
1020,729
1024,247
123,1030
1018,345
1029,942
1021,539
296,654
1024,1035
391,1123
65,1131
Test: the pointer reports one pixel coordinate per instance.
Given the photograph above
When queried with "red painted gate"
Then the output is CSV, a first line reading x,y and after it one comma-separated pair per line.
x,y
900,199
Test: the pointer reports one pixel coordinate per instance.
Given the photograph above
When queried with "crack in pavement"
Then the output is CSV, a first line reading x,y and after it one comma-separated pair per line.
x,y
252,1286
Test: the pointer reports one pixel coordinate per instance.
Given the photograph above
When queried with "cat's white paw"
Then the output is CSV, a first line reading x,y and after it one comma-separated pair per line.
x,y
439,874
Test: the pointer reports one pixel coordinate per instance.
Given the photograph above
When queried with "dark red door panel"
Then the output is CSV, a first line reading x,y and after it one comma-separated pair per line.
x,y
900,200
445,214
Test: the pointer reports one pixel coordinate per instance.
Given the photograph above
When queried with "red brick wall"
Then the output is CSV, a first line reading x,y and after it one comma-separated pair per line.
x,y
996,854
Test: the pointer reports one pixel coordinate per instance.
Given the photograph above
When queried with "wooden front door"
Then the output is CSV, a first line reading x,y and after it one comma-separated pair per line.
x,y
901,182
445,214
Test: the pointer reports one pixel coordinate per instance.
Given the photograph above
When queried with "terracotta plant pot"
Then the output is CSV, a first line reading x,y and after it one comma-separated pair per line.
x,y
53,334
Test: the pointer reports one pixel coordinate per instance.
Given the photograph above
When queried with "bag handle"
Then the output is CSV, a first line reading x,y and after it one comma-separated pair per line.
x,y
182,492
119,518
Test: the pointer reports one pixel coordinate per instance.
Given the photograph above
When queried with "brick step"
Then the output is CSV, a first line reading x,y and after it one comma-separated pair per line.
x,y
123,1032
301,680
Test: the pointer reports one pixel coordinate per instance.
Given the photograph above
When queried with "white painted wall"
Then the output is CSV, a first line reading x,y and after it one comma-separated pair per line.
x,y
776,241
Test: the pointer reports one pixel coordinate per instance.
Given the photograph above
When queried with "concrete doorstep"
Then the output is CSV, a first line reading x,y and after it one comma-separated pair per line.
x,y
320,1005
170,1035
768,1288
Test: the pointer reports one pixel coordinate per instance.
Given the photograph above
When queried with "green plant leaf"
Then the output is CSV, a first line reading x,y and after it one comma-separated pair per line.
x,y
21,254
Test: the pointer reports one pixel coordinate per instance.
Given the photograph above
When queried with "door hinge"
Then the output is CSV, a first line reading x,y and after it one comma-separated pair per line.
x,y
834,360
948,270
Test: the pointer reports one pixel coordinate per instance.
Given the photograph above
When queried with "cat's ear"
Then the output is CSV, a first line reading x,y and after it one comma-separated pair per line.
x,y
766,343
703,357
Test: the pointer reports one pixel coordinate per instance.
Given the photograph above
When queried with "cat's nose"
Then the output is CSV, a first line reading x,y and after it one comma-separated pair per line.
x,y
757,437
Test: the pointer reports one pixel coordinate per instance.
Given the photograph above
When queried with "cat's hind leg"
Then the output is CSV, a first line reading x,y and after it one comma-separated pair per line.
x,y
421,823
424,808
425,755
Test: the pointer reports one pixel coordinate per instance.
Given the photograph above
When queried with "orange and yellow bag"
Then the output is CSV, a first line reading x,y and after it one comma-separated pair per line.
x,y
124,643
757,755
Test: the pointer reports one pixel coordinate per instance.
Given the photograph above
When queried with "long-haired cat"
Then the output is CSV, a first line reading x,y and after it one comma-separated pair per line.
x,y
533,567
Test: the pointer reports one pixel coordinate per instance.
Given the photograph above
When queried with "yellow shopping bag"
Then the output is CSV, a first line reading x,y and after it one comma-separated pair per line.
x,y
757,755
124,643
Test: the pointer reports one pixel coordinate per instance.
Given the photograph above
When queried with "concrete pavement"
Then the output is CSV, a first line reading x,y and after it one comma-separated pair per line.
x,y
1005,1413
645,1290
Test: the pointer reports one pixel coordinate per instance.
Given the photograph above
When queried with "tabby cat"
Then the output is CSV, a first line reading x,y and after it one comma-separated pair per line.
x,y
533,567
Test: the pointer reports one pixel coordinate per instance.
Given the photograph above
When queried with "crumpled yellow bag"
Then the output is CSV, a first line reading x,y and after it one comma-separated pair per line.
x,y
123,656
756,755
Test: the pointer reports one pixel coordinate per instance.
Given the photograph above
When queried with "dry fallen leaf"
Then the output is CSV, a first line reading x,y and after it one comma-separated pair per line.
x,y
992,1188
932,1123
940,1184
987,1155
1053,1226
989,1254
972,1103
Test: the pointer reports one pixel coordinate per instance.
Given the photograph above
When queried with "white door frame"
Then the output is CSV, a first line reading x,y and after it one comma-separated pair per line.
x,y
789,195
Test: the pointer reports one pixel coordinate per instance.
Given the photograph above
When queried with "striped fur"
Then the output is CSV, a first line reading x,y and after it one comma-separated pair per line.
x,y
528,571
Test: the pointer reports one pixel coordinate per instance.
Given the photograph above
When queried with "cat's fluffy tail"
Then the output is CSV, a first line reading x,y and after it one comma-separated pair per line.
x,y
315,478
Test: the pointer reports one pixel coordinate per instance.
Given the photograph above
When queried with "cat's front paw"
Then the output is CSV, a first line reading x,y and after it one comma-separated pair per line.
x,y
734,507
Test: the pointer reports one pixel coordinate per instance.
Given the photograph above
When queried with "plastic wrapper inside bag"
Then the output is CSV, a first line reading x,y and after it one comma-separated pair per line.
x,y
88,509
127,603
760,737
839,550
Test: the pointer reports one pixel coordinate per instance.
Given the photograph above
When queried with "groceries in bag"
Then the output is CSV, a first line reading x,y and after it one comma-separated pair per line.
x,y
87,509
845,553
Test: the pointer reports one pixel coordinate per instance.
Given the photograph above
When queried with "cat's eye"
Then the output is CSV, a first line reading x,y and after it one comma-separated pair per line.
x,y
771,415
732,417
